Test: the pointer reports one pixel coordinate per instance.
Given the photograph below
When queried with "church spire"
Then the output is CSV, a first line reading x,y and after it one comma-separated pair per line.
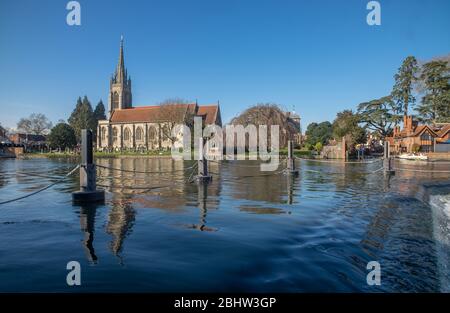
x,y
120,85
121,72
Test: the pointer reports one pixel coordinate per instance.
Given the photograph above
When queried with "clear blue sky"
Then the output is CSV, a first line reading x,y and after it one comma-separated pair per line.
x,y
319,56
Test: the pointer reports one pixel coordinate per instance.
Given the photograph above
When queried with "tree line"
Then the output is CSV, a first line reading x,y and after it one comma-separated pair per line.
x,y
429,81
65,135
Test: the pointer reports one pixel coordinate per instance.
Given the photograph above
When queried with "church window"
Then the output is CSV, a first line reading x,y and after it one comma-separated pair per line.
x,y
115,100
165,131
139,133
151,133
126,134
103,133
115,134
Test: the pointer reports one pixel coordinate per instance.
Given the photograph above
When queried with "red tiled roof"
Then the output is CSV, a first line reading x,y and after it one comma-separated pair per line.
x,y
210,111
443,130
152,114
416,132
419,129
139,114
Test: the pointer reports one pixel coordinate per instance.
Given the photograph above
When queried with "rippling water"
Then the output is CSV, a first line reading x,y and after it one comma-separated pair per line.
x,y
314,232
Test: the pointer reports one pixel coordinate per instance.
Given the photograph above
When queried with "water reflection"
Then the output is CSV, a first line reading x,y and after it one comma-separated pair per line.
x,y
87,223
342,217
202,192
121,219
3,171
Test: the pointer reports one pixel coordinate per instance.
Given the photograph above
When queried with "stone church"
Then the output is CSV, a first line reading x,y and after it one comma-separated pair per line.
x,y
143,127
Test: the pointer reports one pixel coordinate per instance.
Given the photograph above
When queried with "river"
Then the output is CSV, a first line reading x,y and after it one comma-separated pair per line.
x,y
245,231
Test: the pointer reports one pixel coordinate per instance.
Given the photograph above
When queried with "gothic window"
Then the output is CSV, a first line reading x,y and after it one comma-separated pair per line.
x,y
115,100
103,133
152,133
165,131
139,134
126,134
114,134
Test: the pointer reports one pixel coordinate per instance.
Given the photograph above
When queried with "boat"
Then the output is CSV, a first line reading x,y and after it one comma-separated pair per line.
x,y
413,156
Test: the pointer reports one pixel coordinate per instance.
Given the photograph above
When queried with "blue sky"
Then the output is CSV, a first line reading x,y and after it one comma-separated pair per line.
x,y
319,56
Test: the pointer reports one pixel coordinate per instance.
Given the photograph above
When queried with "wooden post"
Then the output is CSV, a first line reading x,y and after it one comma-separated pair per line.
x,y
202,164
344,151
88,187
291,161
388,161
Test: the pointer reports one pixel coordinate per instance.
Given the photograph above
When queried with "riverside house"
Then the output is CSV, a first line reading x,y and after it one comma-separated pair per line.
x,y
420,138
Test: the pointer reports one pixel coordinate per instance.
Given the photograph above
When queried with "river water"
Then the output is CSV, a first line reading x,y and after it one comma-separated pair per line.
x,y
245,231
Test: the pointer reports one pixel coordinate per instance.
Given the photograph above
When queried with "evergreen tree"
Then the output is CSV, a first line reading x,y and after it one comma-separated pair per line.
x,y
435,104
99,112
82,117
404,80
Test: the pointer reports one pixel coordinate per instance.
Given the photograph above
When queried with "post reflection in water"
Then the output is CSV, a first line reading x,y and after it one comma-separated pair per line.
x,y
290,187
87,223
202,189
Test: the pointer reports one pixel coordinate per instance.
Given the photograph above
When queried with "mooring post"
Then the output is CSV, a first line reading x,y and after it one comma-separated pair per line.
x,y
388,160
291,160
88,187
203,175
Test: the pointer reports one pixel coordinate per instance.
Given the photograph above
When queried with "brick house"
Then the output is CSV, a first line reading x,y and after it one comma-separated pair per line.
x,y
423,138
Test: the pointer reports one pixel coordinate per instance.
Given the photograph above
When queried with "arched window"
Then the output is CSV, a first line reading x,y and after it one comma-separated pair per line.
x,y
166,132
152,134
139,134
126,134
114,134
103,133
115,100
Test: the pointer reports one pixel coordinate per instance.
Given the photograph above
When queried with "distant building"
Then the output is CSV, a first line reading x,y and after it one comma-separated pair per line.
x,y
423,138
28,139
3,136
297,137
129,127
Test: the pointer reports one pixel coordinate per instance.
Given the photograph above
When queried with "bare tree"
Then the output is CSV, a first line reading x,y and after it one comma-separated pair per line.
x,y
269,114
35,124
172,112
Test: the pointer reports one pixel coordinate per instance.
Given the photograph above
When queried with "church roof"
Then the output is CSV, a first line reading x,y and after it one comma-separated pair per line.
x,y
210,111
154,113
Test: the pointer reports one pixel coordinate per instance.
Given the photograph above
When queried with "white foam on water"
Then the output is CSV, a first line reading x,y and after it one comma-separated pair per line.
x,y
440,205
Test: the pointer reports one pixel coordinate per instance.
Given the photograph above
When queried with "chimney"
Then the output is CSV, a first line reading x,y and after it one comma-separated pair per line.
x,y
407,123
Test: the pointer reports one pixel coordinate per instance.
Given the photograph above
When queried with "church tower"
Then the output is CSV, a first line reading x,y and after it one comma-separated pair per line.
x,y
120,86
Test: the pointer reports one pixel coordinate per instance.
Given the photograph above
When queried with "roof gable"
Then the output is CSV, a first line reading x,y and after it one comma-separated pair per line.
x,y
421,129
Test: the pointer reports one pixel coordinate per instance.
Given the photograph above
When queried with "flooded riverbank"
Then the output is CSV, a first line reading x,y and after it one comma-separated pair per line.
x,y
243,232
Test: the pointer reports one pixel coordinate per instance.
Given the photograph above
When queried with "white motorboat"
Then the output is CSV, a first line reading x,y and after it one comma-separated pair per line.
x,y
413,156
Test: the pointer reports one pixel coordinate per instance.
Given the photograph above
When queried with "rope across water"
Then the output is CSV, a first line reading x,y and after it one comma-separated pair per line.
x,y
42,189
191,177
